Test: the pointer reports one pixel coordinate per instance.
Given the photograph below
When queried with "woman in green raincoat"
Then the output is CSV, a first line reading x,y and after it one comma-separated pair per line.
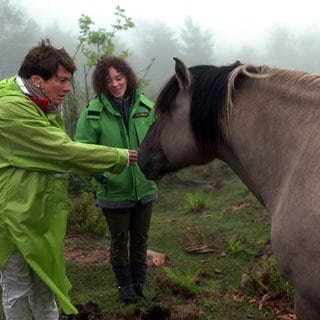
x,y
35,155
120,116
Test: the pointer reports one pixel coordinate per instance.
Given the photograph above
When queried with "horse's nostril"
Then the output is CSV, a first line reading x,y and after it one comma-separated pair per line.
x,y
148,170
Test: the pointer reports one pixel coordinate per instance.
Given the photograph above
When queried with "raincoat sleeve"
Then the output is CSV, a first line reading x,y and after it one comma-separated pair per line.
x,y
29,140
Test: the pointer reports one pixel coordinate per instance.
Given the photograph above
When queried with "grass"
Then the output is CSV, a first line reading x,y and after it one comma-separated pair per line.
x,y
206,205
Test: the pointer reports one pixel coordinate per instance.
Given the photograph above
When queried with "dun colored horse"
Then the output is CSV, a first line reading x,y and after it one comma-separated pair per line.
x,y
265,124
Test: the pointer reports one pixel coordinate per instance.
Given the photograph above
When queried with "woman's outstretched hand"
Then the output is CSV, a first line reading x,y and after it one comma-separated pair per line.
x,y
132,157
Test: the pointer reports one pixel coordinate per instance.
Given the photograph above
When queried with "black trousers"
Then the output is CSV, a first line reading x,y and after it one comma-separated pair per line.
x,y
129,229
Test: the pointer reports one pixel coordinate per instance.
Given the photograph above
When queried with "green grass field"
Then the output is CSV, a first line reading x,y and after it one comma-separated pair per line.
x,y
200,206
206,207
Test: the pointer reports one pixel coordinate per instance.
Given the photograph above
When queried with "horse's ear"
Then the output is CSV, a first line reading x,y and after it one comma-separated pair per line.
x,y
183,74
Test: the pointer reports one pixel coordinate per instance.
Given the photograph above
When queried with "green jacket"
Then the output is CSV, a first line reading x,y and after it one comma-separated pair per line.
x,y
35,153
101,123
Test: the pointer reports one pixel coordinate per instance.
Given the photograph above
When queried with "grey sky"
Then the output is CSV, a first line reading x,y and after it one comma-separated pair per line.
x,y
230,20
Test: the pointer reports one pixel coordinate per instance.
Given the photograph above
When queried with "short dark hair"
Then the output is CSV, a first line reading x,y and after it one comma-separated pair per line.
x,y
44,61
100,73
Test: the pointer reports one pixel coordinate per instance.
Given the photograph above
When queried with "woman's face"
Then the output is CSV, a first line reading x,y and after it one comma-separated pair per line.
x,y
57,87
116,84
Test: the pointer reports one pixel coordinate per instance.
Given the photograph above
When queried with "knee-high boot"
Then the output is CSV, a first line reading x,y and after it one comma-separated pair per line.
x,y
139,272
125,283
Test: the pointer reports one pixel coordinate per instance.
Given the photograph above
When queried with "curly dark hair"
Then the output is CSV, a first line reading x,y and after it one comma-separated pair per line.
x,y
100,73
44,60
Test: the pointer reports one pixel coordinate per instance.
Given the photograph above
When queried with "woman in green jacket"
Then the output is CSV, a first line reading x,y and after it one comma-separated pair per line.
x,y
120,116
35,155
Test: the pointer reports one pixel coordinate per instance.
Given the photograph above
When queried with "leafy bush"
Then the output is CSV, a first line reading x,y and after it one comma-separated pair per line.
x,y
85,217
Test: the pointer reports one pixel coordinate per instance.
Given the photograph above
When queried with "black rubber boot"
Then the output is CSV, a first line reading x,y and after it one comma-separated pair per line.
x,y
124,279
128,294
138,288
139,271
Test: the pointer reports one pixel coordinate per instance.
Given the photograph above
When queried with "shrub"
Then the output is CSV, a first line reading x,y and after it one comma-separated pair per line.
x,y
85,216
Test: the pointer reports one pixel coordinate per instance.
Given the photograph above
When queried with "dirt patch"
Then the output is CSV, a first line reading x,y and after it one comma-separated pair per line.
x,y
74,251
86,255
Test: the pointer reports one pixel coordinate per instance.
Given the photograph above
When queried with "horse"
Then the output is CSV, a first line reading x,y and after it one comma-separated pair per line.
x,y
264,123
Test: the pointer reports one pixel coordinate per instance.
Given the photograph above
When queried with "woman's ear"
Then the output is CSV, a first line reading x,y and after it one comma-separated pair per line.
x,y
36,80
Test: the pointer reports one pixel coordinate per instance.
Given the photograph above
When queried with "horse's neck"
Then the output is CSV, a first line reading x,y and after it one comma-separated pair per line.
x,y
270,142
235,164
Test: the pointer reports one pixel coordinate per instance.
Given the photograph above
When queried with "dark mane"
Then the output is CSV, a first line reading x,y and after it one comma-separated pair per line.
x,y
208,99
167,95
208,94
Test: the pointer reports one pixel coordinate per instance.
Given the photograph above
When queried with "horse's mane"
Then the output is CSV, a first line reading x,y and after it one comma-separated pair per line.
x,y
213,90
208,93
290,80
294,80
294,83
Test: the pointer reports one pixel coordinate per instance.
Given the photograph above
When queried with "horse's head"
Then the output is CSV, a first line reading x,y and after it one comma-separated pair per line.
x,y
170,144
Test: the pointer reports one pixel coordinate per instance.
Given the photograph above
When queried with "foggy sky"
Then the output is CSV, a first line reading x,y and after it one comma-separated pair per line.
x,y
233,21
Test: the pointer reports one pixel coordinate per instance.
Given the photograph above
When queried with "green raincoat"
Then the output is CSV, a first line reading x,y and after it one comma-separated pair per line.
x,y
101,123
35,155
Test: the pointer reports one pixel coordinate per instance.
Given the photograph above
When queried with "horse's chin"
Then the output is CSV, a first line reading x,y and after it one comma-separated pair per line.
x,y
153,174
149,170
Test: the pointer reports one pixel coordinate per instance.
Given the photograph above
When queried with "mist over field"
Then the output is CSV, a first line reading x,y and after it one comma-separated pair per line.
x,y
277,33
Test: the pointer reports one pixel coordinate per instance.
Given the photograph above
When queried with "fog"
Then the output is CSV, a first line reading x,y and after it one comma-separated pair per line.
x,y
277,33
231,21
